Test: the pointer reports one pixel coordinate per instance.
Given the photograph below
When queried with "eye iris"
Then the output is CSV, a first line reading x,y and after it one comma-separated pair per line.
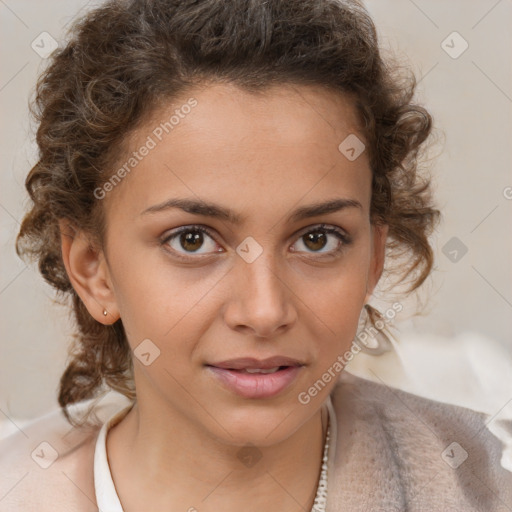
x,y
315,237
195,238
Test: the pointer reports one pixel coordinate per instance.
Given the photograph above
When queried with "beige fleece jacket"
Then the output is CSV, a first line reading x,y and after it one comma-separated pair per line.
x,y
392,451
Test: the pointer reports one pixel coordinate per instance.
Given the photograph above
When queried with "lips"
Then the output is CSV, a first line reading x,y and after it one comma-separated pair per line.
x,y
256,378
250,363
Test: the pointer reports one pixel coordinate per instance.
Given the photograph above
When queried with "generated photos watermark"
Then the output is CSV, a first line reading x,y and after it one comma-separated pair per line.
x,y
151,143
363,338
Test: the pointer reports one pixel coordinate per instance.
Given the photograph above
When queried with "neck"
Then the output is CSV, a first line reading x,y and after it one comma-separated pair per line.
x,y
179,467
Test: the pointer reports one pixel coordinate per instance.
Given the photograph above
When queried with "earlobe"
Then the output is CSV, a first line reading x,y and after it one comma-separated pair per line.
x,y
88,273
379,237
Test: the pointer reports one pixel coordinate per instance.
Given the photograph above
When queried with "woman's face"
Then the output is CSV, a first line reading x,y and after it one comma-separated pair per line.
x,y
263,282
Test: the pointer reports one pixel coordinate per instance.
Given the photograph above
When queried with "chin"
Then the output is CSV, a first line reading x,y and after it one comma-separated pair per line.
x,y
261,424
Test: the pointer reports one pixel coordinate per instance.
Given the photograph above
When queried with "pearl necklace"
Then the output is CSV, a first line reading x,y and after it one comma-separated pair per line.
x,y
321,492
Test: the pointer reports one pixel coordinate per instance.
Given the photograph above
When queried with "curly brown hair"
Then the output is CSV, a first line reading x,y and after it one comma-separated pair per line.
x,y
124,58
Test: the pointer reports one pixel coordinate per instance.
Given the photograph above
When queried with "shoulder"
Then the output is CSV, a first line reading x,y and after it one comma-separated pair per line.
x,y
49,464
436,453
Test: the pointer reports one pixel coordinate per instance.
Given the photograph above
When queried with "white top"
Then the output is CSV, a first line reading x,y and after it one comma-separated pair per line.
x,y
106,495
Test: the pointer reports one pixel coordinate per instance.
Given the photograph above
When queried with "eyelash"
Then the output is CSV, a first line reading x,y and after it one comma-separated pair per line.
x,y
323,228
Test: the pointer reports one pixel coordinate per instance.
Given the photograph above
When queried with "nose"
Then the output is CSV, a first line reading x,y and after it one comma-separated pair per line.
x,y
260,300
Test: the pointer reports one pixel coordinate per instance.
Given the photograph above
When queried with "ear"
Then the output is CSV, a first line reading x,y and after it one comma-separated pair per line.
x,y
88,272
379,237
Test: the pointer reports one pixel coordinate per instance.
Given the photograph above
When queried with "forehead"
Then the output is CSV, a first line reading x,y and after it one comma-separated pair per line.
x,y
241,147
296,114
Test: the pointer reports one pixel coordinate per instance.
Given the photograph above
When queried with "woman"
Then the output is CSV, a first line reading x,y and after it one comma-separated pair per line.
x,y
217,188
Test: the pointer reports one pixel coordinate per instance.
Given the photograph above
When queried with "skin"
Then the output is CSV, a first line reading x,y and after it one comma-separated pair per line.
x,y
263,156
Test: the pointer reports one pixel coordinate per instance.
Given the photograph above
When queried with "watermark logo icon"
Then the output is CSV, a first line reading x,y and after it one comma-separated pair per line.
x,y
44,455
454,249
454,455
454,45
352,147
249,455
146,352
249,249
44,45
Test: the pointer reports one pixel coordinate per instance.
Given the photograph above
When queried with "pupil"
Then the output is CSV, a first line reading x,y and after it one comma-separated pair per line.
x,y
311,237
194,238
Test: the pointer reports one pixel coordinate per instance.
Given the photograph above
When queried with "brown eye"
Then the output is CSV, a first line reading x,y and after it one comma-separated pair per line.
x,y
191,240
315,240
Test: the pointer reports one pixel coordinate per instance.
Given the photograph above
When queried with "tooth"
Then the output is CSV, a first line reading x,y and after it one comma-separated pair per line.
x,y
260,370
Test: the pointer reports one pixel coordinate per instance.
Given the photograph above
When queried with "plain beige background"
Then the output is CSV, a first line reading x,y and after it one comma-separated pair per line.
x,y
470,98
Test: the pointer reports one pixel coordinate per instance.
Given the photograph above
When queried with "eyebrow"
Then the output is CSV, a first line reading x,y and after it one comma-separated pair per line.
x,y
220,212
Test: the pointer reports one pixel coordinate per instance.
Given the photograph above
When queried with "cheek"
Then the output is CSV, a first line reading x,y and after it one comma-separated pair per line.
x,y
339,312
160,301
344,282
152,305
336,301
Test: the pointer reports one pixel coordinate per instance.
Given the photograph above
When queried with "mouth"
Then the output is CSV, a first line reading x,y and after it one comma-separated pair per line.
x,y
258,370
256,378
250,363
